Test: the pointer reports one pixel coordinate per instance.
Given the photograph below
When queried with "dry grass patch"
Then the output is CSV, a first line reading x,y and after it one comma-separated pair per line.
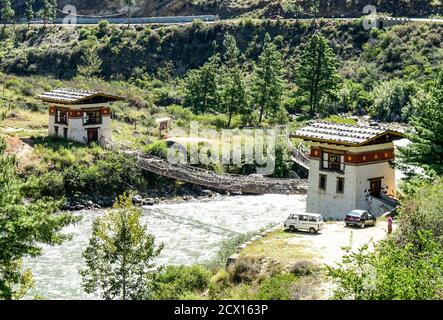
x,y
276,246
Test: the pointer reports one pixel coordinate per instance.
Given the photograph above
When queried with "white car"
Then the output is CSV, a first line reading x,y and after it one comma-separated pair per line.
x,y
311,222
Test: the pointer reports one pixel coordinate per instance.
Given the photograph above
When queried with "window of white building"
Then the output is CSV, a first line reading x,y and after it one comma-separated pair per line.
x,y
333,161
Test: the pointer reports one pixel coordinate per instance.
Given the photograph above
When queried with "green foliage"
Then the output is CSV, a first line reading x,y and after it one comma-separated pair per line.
x,y
244,270
47,11
158,149
422,210
406,266
338,119
74,169
278,287
180,113
353,97
120,254
317,72
426,135
268,80
6,11
391,98
50,184
283,161
233,96
29,13
178,282
24,227
130,4
91,64
202,90
409,271
228,247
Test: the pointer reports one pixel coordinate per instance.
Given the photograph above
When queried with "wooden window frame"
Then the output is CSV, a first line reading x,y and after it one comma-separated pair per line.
x,y
342,189
320,182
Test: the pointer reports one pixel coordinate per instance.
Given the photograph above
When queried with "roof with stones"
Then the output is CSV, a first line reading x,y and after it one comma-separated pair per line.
x,y
73,96
345,134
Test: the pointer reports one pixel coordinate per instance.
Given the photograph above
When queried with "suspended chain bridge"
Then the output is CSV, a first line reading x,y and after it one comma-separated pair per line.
x,y
210,179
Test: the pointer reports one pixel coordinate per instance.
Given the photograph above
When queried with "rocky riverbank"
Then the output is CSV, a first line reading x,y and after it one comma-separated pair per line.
x,y
167,194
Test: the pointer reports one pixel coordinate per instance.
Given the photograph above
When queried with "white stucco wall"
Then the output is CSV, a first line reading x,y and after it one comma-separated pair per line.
x,y
335,205
328,202
370,171
77,131
51,121
106,128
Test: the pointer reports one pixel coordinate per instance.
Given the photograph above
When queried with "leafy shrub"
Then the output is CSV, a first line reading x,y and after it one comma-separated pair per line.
x,y
158,149
229,246
177,281
116,173
277,287
50,184
391,98
244,270
422,210
410,271
218,284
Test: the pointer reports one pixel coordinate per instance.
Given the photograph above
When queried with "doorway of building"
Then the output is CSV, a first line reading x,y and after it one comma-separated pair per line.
x,y
92,135
65,133
375,188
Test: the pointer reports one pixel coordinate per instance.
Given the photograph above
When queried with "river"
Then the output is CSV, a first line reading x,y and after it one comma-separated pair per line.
x,y
191,232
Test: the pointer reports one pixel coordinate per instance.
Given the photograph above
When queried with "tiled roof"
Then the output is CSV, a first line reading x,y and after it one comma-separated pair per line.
x,y
73,96
338,133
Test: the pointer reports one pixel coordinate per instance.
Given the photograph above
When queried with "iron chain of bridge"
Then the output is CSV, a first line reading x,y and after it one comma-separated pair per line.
x,y
228,182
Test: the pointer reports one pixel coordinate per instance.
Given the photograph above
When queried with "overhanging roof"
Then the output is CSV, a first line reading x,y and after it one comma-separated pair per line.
x,y
74,96
345,134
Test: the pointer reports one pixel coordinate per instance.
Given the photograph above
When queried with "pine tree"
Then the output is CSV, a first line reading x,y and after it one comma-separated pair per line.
x,y
29,13
315,9
317,73
426,135
46,11
53,12
130,4
6,11
234,97
24,226
120,254
268,79
91,64
202,90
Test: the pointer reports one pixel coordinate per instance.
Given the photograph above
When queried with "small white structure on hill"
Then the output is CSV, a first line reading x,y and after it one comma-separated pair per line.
x,y
83,116
350,168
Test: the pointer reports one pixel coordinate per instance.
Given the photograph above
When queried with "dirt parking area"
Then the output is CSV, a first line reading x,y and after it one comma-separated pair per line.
x,y
326,247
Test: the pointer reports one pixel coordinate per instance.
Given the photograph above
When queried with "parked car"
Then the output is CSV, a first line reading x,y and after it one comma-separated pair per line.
x,y
360,218
311,222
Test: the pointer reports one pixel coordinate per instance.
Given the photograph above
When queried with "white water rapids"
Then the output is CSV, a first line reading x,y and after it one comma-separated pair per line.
x,y
192,233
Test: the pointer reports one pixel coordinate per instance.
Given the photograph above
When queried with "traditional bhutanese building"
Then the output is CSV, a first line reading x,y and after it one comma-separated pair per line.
x,y
350,167
83,116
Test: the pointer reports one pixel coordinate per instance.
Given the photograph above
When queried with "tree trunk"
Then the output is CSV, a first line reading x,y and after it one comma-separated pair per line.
x,y
230,118
129,16
262,109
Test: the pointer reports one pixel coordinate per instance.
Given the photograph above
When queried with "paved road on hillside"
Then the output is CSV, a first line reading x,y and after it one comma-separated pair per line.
x,y
173,22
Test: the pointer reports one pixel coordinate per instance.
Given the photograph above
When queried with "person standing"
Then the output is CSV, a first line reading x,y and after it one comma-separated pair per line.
x,y
390,222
